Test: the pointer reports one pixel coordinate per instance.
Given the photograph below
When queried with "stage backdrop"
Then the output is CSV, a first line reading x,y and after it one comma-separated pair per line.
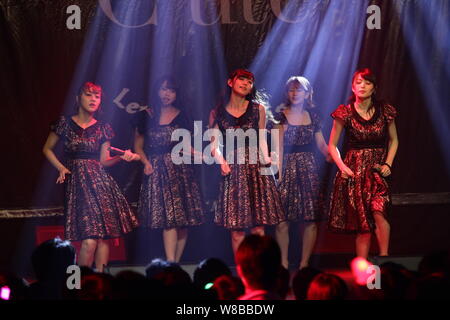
x,y
44,55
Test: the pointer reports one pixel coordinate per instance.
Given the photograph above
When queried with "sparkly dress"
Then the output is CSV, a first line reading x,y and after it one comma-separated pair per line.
x,y
300,188
170,197
94,206
247,198
354,200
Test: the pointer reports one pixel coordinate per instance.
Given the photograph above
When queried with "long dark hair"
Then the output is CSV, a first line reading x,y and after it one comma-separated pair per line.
x,y
256,96
155,101
302,83
368,75
89,87
224,95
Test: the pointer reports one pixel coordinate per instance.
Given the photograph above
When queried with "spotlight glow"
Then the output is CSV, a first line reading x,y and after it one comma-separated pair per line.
x,y
323,46
359,268
5,293
423,25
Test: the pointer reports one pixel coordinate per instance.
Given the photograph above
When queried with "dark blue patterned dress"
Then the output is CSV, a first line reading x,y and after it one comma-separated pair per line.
x,y
247,198
170,197
300,186
94,205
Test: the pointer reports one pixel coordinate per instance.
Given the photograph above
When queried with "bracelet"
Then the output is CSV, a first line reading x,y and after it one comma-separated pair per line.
x,y
390,168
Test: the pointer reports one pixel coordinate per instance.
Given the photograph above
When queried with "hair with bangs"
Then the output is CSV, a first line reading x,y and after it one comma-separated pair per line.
x,y
302,83
368,75
155,100
89,87
224,96
242,73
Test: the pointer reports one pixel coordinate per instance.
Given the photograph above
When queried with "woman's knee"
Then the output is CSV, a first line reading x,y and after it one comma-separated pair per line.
x,y
311,226
258,230
237,235
89,244
379,217
282,227
364,236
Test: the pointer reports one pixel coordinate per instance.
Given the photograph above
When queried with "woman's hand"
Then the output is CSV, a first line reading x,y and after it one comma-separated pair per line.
x,y
225,169
280,178
347,173
385,170
148,169
129,156
267,160
197,155
274,157
62,175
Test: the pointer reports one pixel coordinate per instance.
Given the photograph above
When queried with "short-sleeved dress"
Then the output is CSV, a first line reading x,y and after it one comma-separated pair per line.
x,y
247,198
170,197
354,200
94,205
300,187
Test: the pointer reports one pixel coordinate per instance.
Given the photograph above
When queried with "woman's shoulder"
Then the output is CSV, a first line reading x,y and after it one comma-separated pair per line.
x,y
106,129
103,124
316,117
388,111
60,124
342,112
182,119
140,119
280,108
256,106
344,108
182,114
278,113
313,113
254,109
63,119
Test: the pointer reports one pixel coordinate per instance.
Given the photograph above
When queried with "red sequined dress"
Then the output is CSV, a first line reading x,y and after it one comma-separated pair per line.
x,y
354,200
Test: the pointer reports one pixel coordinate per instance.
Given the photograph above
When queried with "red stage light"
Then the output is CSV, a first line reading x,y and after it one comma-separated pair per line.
x,y
359,270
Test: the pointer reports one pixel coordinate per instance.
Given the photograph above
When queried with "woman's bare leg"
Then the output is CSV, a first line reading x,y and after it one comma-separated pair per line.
x,y
101,255
236,238
170,243
382,233
282,237
309,241
363,245
87,251
182,234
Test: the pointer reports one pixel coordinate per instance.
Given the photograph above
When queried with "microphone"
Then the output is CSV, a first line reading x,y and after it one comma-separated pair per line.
x,y
376,168
116,151
119,152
